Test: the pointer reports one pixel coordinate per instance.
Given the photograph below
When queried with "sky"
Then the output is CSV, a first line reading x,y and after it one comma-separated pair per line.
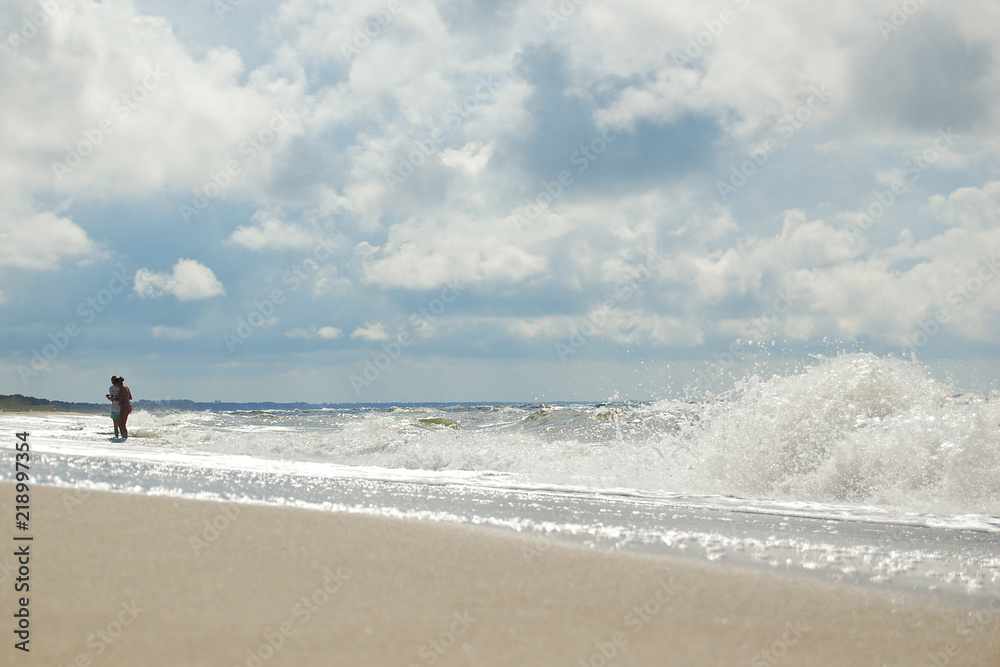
x,y
408,200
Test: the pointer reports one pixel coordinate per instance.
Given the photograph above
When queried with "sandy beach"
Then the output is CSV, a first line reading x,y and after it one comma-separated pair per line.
x,y
122,579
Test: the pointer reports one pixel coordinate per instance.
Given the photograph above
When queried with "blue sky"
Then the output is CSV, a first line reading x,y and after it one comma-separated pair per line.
x,y
421,201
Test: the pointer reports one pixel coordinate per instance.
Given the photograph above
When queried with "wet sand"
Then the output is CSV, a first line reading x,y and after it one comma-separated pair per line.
x,y
120,579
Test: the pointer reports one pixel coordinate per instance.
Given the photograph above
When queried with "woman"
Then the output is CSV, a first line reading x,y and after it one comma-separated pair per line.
x,y
124,403
112,395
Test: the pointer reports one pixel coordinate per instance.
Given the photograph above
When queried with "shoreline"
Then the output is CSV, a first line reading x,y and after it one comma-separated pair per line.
x,y
919,553
118,577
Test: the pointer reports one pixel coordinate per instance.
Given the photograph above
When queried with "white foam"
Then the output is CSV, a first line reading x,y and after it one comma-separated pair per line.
x,y
853,435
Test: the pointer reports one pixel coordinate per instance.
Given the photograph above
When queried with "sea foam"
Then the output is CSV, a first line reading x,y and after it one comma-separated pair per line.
x,y
856,429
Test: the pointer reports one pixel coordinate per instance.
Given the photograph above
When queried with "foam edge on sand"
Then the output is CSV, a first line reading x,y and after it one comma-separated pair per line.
x,y
120,579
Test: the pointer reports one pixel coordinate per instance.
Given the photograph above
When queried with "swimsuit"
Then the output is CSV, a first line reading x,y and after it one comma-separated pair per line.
x,y
113,390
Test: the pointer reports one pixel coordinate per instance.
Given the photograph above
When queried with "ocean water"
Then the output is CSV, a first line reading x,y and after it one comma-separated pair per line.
x,y
858,468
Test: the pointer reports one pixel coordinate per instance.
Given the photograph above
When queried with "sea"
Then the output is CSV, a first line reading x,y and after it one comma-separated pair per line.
x,y
856,468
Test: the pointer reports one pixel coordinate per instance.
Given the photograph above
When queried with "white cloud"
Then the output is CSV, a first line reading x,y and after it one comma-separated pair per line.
x,y
125,109
843,288
329,281
472,157
423,254
970,208
41,240
190,280
325,333
178,101
270,233
371,332
617,323
329,333
173,333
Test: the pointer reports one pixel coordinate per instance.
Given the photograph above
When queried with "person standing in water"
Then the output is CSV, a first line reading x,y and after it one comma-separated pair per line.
x,y
112,396
124,403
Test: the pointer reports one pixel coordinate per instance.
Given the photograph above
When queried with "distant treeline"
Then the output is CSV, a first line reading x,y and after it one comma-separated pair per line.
x,y
19,403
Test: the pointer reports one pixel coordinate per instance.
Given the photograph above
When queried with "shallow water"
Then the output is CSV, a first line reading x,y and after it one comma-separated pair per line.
x,y
858,468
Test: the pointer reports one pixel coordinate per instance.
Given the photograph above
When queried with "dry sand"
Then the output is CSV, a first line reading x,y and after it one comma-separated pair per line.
x,y
133,580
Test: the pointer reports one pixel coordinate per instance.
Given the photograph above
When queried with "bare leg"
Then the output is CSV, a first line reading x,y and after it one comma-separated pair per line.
x,y
122,418
116,427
